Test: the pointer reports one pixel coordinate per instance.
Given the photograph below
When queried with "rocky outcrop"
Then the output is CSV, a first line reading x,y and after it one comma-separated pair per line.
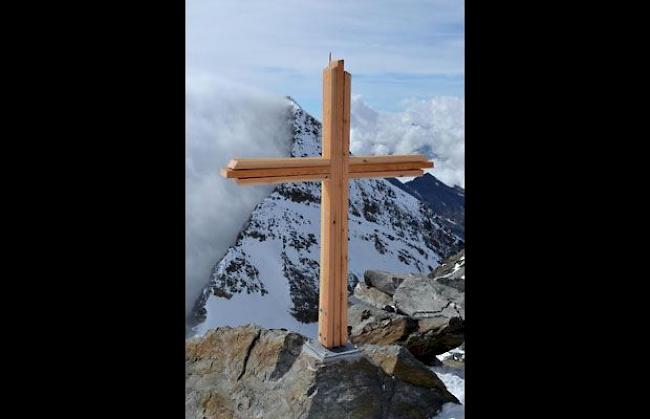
x,y
372,296
249,372
383,281
421,297
424,313
451,272
399,362
435,336
374,326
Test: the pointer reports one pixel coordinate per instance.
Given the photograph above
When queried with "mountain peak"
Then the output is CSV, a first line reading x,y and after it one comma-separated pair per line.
x,y
442,198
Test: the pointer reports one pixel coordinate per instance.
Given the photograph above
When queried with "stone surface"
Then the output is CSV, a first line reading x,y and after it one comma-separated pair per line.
x,y
426,314
422,297
455,360
248,372
372,296
383,281
435,336
451,272
397,361
374,326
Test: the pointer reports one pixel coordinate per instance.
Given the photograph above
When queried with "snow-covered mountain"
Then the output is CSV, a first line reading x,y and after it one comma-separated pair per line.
x,y
270,275
445,201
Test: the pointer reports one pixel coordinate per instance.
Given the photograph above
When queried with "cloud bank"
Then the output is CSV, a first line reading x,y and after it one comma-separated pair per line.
x,y
223,121
435,127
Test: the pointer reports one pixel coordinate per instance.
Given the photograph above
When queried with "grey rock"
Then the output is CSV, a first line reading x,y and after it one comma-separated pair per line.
x,y
427,315
451,272
397,361
248,372
434,337
374,326
422,297
372,296
383,281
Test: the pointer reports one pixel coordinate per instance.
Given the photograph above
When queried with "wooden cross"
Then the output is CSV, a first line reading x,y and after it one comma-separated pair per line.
x,y
333,169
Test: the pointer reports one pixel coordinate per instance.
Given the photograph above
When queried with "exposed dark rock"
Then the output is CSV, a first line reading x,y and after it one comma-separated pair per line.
x,y
445,200
303,283
435,336
399,362
451,272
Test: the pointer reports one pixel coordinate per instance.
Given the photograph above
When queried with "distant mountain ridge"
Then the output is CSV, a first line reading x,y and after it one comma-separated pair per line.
x,y
444,200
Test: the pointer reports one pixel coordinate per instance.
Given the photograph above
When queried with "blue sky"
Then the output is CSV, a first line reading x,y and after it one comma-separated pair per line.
x,y
395,50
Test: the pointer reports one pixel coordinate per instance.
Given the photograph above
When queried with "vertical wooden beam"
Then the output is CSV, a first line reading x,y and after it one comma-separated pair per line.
x,y
329,321
345,161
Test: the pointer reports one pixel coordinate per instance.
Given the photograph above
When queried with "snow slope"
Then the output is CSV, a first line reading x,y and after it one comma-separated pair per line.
x,y
454,380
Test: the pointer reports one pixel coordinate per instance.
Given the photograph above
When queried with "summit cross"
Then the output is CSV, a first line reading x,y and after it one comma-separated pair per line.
x,y
334,169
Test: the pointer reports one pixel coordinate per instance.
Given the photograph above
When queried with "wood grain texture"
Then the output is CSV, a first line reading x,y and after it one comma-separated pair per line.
x,y
331,204
268,163
279,179
342,328
384,167
290,171
396,158
286,162
322,170
397,173
325,317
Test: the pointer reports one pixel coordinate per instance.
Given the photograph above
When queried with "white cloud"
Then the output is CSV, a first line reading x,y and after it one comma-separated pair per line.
x,y
435,127
223,121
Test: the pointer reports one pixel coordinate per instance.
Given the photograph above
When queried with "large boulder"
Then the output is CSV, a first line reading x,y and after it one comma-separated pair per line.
x,y
435,336
370,325
372,296
399,362
249,372
422,297
383,281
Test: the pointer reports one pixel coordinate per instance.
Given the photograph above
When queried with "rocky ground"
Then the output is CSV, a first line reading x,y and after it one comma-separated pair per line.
x,y
249,372
410,332
424,313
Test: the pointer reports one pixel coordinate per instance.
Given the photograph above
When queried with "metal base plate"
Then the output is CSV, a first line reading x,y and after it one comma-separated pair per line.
x,y
347,351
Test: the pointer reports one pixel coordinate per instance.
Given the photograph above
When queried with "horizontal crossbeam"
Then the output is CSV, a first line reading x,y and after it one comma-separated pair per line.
x,y
270,171
321,170
280,179
286,162
393,173
270,163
